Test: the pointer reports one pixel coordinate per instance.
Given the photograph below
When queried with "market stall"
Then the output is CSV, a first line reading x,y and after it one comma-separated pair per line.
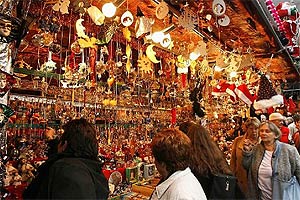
x,y
132,68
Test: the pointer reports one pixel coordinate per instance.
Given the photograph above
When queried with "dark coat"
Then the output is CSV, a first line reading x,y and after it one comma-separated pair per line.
x,y
65,177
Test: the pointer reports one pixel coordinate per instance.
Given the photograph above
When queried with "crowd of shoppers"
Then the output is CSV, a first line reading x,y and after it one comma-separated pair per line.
x,y
187,159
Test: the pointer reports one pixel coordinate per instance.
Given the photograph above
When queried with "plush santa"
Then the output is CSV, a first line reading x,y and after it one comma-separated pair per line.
x,y
290,18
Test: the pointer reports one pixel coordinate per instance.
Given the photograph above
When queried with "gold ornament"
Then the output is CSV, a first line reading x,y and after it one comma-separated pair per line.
x,y
151,54
87,42
127,34
145,64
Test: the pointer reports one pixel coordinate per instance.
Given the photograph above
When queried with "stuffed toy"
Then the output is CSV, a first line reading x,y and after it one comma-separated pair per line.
x,y
290,20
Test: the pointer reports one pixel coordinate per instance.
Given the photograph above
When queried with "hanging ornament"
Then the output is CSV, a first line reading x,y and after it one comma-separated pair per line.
x,y
47,39
127,34
62,6
5,57
92,65
143,24
5,28
50,65
55,48
162,10
127,18
87,42
182,69
151,54
218,7
182,62
37,40
6,82
5,113
145,64
81,6
21,64
128,54
96,15
75,47
80,29
224,20
188,19
166,41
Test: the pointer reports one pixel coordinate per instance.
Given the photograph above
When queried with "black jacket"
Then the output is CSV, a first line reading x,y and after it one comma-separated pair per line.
x,y
65,177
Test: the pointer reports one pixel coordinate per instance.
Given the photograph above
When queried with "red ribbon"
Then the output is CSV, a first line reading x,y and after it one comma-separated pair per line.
x,y
173,116
183,80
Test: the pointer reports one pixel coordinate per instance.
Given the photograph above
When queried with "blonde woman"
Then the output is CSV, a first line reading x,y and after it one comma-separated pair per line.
x,y
251,128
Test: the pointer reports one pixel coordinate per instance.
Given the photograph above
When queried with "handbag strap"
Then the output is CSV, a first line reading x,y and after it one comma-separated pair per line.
x,y
276,160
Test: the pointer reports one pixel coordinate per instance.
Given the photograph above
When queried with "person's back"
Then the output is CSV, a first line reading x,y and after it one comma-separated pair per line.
x,y
207,159
180,185
66,173
75,172
171,149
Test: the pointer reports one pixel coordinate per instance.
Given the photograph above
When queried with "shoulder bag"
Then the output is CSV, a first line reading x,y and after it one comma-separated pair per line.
x,y
223,187
287,190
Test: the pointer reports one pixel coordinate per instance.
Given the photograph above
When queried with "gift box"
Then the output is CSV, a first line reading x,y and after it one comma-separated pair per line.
x,y
132,174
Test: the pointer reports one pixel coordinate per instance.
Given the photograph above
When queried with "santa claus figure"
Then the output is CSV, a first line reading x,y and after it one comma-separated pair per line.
x,y
290,17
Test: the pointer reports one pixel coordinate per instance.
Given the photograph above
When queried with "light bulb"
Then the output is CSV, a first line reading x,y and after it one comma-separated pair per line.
x,y
109,9
157,37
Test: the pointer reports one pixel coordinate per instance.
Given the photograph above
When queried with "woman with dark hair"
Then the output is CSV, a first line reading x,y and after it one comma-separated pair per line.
x,y
75,171
172,150
207,159
261,160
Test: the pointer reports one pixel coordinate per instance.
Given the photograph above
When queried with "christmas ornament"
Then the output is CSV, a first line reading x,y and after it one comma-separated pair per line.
x,y
218,7
267,96
143,25
81,6
166,41
145,64
127,18
6,82
62,6
127,34
224,20
5,57
80,29
162,10
87,42
151,54
96,15
5,113
50,65
188,19
244,94
128,54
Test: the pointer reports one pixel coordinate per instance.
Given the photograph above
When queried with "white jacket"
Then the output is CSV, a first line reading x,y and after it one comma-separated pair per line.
x,y
182,185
